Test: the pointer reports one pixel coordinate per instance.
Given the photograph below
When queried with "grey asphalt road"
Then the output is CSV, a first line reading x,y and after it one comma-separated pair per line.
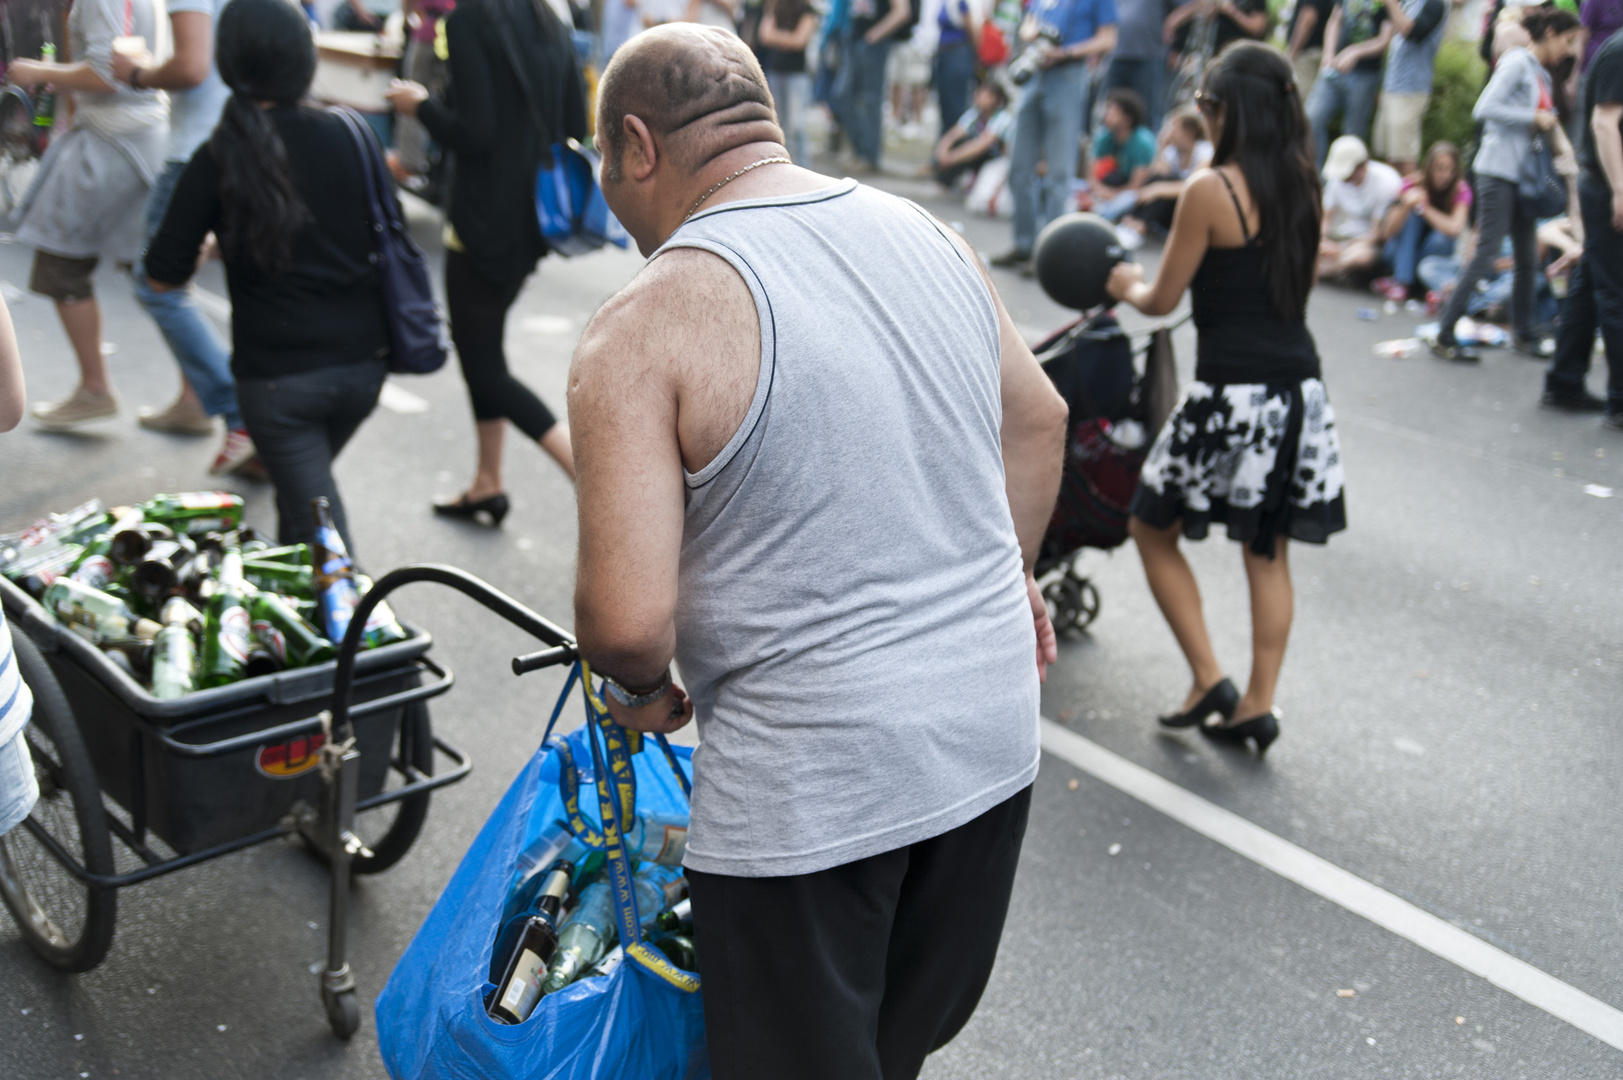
x,y
1450,735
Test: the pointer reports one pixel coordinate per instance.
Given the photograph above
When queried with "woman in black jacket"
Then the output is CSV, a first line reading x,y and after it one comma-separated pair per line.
x,y
514,90
284,187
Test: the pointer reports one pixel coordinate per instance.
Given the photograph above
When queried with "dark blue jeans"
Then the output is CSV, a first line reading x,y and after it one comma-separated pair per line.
x,y
1415,241
1142,77
954,79
859,95
1350,96
299,423
1594,299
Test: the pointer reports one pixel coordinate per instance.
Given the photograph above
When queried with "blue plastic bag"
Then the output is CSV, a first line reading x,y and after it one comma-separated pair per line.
x,y
632,1024
575,218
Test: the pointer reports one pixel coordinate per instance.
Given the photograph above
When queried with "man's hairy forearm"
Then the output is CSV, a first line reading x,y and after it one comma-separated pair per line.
x,y
1033,461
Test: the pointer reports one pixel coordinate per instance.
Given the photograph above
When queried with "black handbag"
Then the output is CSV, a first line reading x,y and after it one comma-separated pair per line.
x,y
418,344
1541,190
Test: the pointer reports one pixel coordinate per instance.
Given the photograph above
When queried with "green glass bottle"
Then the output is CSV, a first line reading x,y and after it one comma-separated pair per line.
x,y
44,96
196,512
284,633
227,628
382,628
174,655
282,577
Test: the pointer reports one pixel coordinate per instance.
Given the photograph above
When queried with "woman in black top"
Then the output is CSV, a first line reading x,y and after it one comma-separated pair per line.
x,y
283,186
514,91
1253,442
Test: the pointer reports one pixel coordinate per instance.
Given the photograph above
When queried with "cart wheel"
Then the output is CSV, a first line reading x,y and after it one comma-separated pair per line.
x,y
391,829
343,1012
1072,603
69,923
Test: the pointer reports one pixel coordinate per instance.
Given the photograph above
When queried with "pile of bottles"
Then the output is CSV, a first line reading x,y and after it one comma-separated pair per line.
x,y
183,596
559,924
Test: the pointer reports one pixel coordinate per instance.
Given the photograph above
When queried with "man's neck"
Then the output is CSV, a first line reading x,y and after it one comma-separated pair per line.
x,y
724,179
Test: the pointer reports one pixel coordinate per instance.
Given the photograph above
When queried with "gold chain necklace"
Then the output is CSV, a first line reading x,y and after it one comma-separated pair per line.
x,y
723,183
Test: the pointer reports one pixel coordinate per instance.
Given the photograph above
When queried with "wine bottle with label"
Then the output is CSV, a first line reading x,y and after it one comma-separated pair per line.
x,y
519,988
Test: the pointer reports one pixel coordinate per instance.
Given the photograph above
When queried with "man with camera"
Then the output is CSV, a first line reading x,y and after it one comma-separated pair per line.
x,y
1062,37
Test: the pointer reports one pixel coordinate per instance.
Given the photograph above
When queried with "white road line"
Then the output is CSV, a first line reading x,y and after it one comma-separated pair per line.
x,y
397,398
1339,886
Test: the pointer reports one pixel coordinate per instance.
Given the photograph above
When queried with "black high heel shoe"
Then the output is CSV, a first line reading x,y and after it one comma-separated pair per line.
x,y
1262,730
1220,699
494,508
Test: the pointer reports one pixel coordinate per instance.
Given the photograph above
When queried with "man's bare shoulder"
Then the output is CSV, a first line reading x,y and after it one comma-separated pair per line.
x,y
676,301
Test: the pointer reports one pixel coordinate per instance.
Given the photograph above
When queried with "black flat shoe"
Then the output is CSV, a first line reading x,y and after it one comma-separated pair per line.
x,y
1262,730
490,510
1220,699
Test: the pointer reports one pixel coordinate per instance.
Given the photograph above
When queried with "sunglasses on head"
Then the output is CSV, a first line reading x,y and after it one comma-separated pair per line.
x,y
1206,102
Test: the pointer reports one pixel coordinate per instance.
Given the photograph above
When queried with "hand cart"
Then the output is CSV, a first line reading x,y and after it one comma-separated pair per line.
x,y
340,753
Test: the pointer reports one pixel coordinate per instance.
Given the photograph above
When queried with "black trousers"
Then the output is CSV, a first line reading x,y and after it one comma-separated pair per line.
x,y
478,309
1594,299
1498,212
860,971
299,423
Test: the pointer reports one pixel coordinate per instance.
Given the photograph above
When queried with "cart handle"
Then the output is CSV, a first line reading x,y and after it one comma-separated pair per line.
x,y
558,639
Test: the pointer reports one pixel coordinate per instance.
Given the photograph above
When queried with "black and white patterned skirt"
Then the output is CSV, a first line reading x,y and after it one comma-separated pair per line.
x,y
1261,458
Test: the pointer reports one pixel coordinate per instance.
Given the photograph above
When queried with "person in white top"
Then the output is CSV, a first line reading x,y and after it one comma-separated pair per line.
x,y
19,789
1357,194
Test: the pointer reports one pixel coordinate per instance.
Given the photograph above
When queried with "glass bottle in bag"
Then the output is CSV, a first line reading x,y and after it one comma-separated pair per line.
x,y
520,985
658,838
586,935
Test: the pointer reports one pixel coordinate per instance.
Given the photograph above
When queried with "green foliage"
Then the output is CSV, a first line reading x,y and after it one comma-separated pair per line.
x,y
1460,76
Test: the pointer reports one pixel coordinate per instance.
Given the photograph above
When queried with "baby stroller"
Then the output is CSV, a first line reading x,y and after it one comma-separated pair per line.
x,y
1116,412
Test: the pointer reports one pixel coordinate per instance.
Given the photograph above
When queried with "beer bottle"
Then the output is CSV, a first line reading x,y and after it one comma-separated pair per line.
x,y
382,628
334,579
196,512
130,545
679,950
44,96
613,959
261,661
96,615
283,633
50,530
298,554
586,935
678,920
97,571
226,627
282,577
520,985
38,572
159,574
174,656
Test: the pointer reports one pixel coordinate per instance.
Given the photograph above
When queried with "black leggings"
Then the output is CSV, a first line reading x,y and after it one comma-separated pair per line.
x,y
478,309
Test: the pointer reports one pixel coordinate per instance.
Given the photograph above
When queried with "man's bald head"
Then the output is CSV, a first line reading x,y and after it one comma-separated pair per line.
x,y
699,90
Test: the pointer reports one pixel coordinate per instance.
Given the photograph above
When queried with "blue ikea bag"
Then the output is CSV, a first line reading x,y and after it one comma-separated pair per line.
x,y
575,218
644,1021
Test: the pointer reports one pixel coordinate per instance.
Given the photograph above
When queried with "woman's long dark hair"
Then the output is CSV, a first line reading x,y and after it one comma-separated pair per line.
x,y
1265,133
265,52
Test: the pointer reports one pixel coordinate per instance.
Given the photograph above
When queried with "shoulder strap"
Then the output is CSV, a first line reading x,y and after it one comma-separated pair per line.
x,y
1245,229
378,194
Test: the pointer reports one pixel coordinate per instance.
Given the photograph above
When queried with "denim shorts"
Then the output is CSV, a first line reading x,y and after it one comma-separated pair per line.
x,y
18,788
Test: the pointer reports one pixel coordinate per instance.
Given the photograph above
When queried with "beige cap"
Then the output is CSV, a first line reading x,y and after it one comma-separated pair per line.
x,y
1346,154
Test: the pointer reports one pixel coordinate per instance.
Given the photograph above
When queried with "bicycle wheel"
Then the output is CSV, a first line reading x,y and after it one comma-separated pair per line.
x,y
69,923
391,829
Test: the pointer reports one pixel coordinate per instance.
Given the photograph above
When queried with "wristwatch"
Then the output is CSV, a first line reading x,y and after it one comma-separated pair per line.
x,y
135,78
636,699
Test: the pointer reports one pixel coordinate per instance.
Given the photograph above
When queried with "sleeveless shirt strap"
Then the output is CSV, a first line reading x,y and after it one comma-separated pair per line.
x,y
1245,229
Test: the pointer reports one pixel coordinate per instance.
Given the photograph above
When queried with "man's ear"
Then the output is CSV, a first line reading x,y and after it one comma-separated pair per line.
x,y
641,155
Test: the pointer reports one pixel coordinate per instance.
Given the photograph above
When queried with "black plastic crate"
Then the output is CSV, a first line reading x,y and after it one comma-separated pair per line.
x,y
191,769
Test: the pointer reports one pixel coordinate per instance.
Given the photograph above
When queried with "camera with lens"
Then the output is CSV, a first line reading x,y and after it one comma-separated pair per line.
x,y
1029,62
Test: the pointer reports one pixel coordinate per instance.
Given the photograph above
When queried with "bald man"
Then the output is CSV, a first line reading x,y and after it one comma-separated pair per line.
x,y
816,461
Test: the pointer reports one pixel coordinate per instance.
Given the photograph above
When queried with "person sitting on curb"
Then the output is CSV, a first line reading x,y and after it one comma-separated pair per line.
x,y
980,135
1357,194
1123,154
1428,219
1184,148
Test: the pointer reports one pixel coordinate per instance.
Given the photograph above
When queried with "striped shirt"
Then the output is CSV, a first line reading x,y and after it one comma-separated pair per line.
x,y
16,700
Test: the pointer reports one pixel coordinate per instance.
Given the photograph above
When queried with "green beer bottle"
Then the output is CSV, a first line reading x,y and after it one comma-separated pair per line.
x,y
174,655
282,577
288,553
226,630
196,512
284,633
44,96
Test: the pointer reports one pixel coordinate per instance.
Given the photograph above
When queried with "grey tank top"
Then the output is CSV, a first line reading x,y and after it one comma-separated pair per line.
x,y
852,621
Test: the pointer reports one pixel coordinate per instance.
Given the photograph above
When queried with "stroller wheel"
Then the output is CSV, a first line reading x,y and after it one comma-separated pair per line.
x,y
1073,603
